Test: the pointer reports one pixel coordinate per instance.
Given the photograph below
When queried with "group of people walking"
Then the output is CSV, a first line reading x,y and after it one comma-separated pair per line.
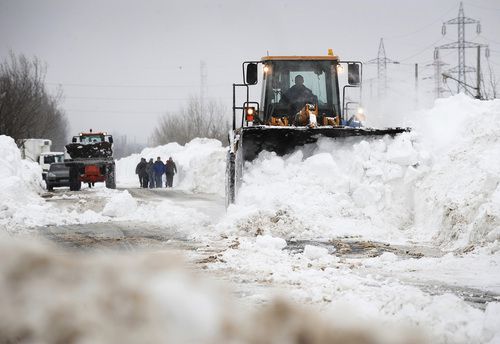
x,y
151,173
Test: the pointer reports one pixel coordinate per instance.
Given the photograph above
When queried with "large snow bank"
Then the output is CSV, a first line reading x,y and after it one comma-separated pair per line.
x,y
20,185
200,165
441,181
458,202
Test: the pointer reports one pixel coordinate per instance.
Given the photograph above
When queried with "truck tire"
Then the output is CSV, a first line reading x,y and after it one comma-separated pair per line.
x,y
230,178
74,181
111,176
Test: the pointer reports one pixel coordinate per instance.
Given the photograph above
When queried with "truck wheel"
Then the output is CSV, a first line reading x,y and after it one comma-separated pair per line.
x,y
110,176
230,178
74,183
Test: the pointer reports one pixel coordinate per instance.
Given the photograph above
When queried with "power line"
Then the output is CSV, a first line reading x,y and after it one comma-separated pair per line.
x,y
422,50
117,111
124,98
483,7
128,85
423,27
133,99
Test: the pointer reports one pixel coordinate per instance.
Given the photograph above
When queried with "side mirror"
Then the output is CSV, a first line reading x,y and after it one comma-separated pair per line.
x,y
110,139
73,140
251,74
353,76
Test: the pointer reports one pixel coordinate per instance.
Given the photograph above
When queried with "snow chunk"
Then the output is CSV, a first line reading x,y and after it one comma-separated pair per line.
x,y
267,241
315,252
402,152
120,204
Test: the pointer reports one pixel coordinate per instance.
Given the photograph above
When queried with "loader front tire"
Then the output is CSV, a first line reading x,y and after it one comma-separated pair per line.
x,y
230,178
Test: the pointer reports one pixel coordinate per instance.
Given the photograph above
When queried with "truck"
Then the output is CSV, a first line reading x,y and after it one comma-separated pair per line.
x,y
91,160
38,150
301,102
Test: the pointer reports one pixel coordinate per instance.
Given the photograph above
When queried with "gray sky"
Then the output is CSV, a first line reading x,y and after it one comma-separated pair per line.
x,y
122,63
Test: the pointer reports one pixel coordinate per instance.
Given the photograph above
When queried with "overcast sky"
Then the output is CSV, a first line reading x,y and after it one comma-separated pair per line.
x,y
123,63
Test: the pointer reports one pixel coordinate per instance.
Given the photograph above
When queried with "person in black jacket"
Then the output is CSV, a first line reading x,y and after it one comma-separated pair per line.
x,y
170,170
140,170
297,96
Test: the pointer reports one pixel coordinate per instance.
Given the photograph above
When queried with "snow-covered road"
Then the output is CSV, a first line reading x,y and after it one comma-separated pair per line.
x,y
465,282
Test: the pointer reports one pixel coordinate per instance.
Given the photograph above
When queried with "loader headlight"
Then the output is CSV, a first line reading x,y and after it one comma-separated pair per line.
x,y
361,111
266,69
250,113
340,68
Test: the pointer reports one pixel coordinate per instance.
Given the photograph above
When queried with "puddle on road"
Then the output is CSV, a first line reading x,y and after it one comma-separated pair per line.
x,y
364,249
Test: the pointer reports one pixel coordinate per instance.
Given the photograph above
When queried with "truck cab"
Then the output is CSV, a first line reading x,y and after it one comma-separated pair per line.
x,y
48,158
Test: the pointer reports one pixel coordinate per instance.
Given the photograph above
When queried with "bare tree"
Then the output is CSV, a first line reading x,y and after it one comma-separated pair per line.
x,y
194,120
27,110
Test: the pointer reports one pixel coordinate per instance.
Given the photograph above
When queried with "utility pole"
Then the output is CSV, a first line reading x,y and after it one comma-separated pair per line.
x,y
416,85
438,65
478,73
461,44
381,62
203,85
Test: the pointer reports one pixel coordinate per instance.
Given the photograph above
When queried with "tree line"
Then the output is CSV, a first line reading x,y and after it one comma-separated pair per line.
x,y
27,109
198,118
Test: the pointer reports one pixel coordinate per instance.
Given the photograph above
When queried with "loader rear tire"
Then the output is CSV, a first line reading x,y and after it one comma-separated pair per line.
x,y
75,183
111,176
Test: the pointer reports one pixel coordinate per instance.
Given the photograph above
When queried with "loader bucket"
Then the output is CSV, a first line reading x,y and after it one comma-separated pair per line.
x,y
92,150
285,140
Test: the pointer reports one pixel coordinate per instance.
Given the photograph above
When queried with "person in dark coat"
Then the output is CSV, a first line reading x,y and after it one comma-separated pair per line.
x,y
151,173
297,96
159,168
170,170
140,170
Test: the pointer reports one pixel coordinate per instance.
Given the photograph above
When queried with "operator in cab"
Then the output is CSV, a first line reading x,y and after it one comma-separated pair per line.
x,y
297,96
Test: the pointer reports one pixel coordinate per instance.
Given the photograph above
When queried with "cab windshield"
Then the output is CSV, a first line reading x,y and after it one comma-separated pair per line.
x,y
289,85
91,139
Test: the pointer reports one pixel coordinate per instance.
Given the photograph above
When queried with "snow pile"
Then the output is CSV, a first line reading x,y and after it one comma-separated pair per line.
x,y
20,185
459,201
200,165
331,189
50,296
440,181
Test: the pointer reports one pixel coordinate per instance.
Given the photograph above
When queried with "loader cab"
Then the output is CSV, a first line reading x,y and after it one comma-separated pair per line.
x,y
92,138
319,77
